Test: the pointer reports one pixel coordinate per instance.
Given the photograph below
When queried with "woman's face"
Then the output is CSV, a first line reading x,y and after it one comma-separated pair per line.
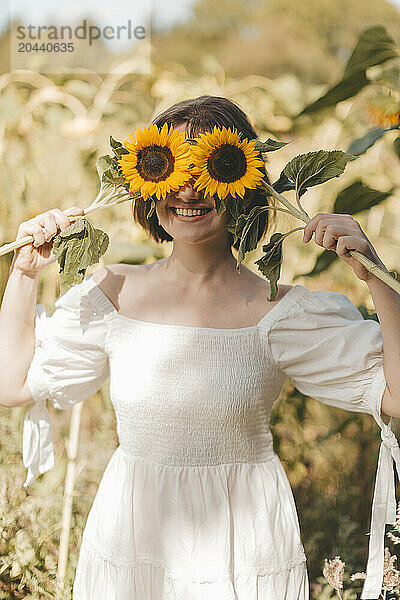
x,y
183,226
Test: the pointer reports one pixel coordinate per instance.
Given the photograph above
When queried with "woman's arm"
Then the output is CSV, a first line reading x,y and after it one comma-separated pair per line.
x,y
17,337
17,312
342,233
387,305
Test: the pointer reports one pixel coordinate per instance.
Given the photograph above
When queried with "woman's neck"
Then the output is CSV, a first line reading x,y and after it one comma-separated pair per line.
x,y
201,263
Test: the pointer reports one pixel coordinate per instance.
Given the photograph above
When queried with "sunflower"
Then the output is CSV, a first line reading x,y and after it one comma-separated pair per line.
x,y
384,110
381,118
225,165
157,161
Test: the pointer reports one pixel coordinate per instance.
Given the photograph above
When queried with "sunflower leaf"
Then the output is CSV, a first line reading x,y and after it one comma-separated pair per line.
x,y
283,184
358,197
248,229
270,145
109,171
374,46
313,168
220,205
234,226
113,187
117,147
362,144
367,314
234,209
270,263
103,164
235,206
76,248
396,147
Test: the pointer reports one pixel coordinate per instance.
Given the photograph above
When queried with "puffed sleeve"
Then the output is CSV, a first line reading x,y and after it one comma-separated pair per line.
x,y
70,363
331,353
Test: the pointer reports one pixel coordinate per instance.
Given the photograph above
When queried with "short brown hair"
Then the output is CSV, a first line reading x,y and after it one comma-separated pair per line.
x,y
201,115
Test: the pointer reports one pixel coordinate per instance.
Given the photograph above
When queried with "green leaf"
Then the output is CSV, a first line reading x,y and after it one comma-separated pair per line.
x,y
395,274
235,206
76,248
109,171
283,184
113,186
323,262
367,314
347,88
220,205
365,142
103,164
375,46
117,147
357,197
270,145
270,263
396,147
313,168
249,229
234,210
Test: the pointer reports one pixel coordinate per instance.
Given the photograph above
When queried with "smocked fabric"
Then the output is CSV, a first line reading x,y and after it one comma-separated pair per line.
x,y
194,502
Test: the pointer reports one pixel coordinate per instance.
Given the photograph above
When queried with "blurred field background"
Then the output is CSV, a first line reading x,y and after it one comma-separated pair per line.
x,y
272,58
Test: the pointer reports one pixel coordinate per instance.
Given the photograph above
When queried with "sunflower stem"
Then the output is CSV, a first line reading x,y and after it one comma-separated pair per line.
x,y
292,231
27,239
299,204
366,262
292,209
285,210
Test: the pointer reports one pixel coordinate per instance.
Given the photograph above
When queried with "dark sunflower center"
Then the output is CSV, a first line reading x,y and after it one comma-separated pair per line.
x,y
155,163
227,163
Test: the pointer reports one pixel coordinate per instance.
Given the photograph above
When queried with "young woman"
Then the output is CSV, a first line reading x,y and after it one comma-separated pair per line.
x,y
194,503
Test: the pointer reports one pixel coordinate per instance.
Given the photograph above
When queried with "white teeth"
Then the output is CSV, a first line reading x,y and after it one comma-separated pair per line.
x,y
185,212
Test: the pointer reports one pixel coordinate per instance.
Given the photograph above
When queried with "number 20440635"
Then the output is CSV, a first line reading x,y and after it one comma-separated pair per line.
x,y
49,47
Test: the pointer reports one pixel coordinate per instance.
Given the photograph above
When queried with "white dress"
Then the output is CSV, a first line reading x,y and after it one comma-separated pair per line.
x,y
194,504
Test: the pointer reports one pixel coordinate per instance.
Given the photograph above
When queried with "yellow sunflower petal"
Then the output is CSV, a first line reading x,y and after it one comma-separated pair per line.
x,y
179,151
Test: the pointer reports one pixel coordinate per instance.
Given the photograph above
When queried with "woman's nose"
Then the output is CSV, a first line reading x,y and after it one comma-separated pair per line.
x,y
188,192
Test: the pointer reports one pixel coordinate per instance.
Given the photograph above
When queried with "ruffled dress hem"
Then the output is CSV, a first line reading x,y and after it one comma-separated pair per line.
x,y
150,579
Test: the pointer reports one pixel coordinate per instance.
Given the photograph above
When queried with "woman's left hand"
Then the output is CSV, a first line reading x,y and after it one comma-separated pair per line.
x,y
342,233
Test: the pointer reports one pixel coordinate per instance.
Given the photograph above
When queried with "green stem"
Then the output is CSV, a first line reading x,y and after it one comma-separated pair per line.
x,y
292,209
299,205
292,230
285,210
27,239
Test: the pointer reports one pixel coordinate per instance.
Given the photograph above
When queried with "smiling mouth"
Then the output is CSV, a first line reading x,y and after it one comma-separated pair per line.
x,y
191,214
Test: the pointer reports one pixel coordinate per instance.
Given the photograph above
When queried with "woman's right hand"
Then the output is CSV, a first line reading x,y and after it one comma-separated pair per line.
x,y
34,257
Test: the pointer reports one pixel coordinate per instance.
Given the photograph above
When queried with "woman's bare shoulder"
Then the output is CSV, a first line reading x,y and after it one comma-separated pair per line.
x,y
116,279
107,275
262,288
